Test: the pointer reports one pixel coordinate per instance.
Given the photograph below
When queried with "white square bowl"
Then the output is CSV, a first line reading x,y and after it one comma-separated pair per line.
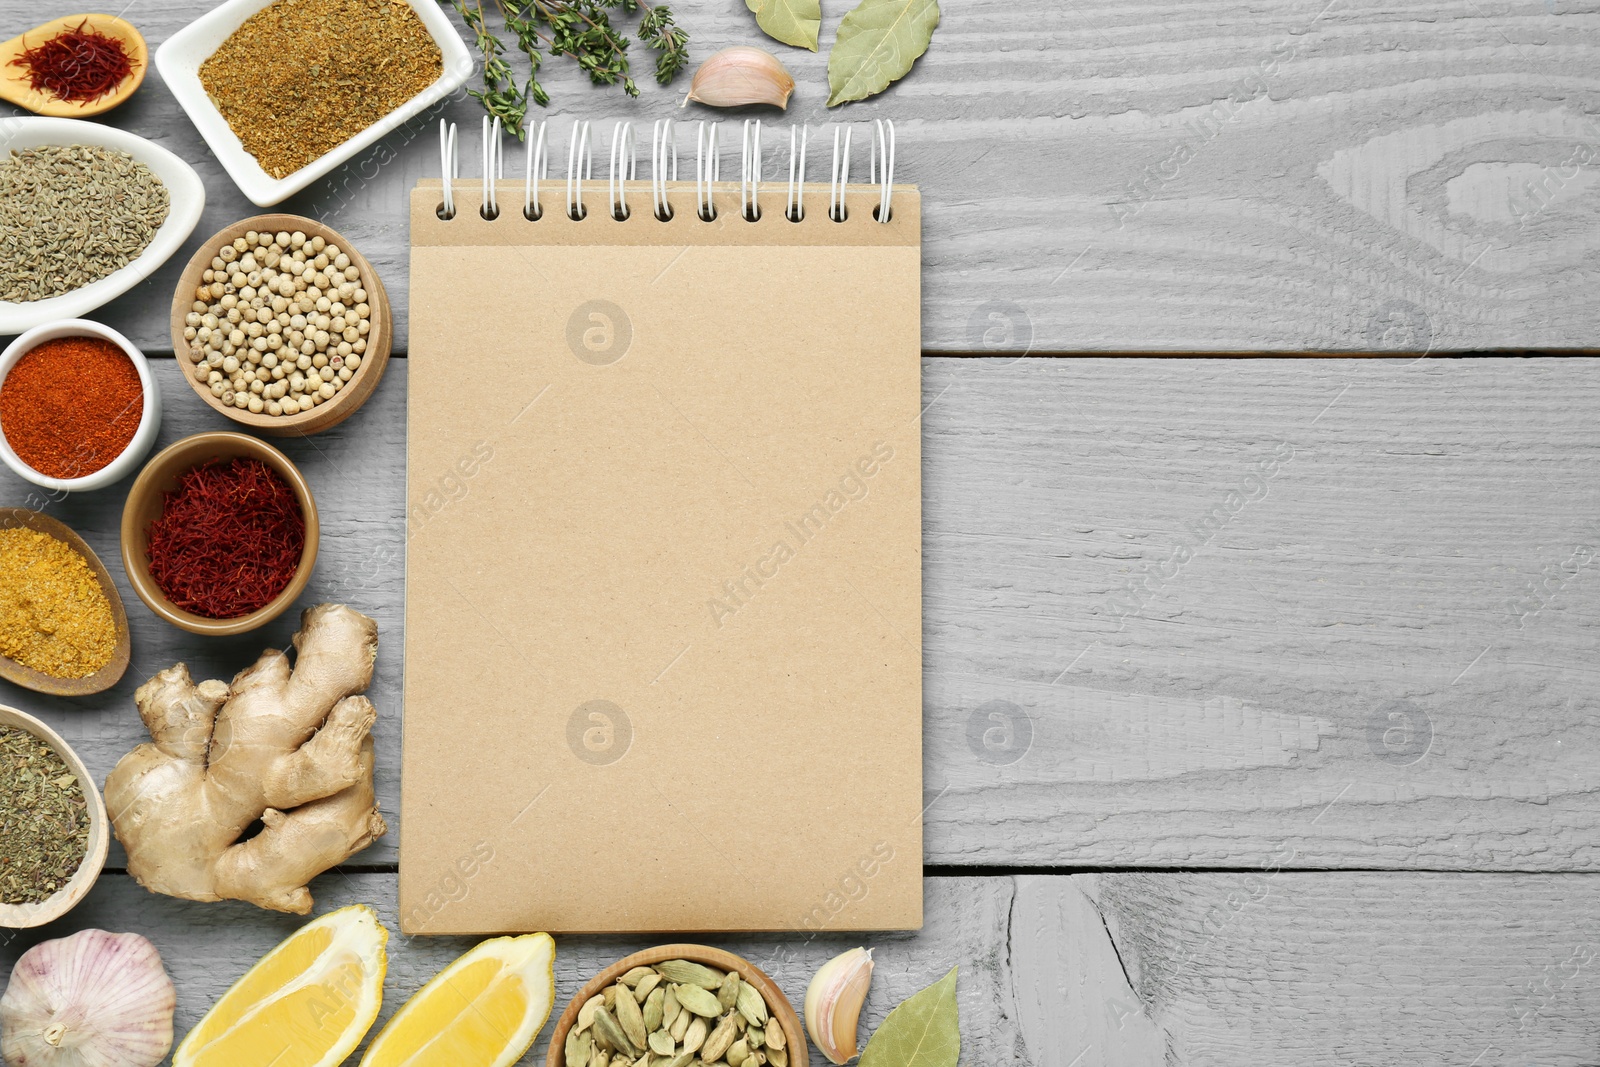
x,y
179,60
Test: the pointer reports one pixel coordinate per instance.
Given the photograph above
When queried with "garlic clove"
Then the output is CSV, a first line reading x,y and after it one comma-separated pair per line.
x,y
741,75
95,999
833,1003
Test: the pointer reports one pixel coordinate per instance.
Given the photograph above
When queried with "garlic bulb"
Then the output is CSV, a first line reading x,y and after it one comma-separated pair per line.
x,y
94,999
833,1003
741,75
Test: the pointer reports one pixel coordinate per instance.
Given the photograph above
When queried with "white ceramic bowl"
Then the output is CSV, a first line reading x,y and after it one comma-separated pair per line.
x,y
143,437
188,197
179,61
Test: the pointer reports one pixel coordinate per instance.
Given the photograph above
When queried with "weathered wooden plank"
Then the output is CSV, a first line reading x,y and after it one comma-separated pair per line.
x,y
207,946
1226,175
1325,969
1382,658
1145,649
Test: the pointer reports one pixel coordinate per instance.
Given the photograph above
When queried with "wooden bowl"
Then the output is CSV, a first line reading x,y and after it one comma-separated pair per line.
x,y
21,916
373,360
145,501
777,1004
106,676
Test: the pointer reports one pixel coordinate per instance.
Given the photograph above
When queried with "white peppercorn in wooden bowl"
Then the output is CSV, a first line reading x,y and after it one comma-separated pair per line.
x,y
216,345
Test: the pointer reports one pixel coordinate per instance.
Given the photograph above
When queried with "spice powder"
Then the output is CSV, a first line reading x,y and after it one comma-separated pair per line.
x,y
70,405
301,77
54,617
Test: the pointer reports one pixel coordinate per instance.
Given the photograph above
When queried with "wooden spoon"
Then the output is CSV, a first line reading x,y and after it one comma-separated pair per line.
x,y
106,676
14,81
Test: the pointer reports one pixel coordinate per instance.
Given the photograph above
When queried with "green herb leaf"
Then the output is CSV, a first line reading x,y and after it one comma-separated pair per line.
x,y
793,22
877,44
921,1032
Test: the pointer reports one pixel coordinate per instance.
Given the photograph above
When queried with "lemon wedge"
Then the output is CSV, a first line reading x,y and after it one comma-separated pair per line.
x,y
307,1003
484,1009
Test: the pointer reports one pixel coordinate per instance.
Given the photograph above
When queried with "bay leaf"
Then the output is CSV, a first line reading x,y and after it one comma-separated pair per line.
x,y
793,22
922,1032
877,43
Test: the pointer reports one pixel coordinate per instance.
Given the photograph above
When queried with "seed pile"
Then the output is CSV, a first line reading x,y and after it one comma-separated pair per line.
x,y
301,77
54,617
72,214
44,819
677,1014
279,323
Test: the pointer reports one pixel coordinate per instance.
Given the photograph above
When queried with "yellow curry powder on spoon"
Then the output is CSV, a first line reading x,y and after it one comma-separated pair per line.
x,y
54,617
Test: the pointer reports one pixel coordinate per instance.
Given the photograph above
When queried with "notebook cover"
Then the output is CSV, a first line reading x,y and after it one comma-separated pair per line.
x,y
663,576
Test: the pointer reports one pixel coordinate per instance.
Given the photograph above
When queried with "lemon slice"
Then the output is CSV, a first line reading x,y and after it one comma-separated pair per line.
x,y
484,1009
307,1003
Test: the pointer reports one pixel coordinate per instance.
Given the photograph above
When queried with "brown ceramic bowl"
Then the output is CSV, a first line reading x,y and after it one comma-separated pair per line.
x,y
144,504
106,676
20,916
373,360
777,1004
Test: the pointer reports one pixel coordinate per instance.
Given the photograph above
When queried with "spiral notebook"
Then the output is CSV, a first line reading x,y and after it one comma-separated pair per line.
x,y
663,615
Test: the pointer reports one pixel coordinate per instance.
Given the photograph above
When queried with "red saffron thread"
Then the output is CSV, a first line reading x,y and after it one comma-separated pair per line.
x,y
76,65
229,539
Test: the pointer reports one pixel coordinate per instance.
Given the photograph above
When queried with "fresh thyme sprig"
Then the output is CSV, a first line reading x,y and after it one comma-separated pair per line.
x,y
580,29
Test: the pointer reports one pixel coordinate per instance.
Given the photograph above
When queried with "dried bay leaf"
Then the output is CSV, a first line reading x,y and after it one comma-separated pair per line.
x,y
793,22
877,43
922,1032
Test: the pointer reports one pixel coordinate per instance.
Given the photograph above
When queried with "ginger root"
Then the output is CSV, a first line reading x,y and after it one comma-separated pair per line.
x,y
290,748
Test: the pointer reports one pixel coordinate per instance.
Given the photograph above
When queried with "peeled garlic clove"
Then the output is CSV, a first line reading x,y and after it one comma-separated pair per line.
x,y
833,1003
95,999
741,75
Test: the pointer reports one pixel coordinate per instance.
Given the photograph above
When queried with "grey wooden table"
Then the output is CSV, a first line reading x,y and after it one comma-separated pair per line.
x,y
1221,770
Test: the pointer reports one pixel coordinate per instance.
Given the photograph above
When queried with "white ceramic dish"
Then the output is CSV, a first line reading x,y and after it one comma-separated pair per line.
x,y
179,61
188,198
143,437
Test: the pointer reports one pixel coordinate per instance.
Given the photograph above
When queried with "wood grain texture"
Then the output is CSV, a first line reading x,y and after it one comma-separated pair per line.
x,y
1137,970
1334,969
1382,658
1289,175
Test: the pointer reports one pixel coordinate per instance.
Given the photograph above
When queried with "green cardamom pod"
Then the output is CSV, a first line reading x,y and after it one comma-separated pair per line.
x,y
728,992
680,1025
610,1033
702,1002
661,1043
646,986
579,1044
695,1035
630,1017
653,1008
599,1057
776,1038
778,1057
738,1052
751,1006
669,1008
586,1013
720,1040
635,976
682,1059
685,972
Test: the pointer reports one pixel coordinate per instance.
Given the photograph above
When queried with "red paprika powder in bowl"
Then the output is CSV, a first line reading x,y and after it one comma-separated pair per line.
x,y
79,408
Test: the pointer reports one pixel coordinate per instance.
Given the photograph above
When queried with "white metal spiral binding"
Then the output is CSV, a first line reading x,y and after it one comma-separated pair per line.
x,y
883,144
624,168
707,170
662,148
494,168
536,163
794,209
580,166
840,177
750,172
664,169
449,167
